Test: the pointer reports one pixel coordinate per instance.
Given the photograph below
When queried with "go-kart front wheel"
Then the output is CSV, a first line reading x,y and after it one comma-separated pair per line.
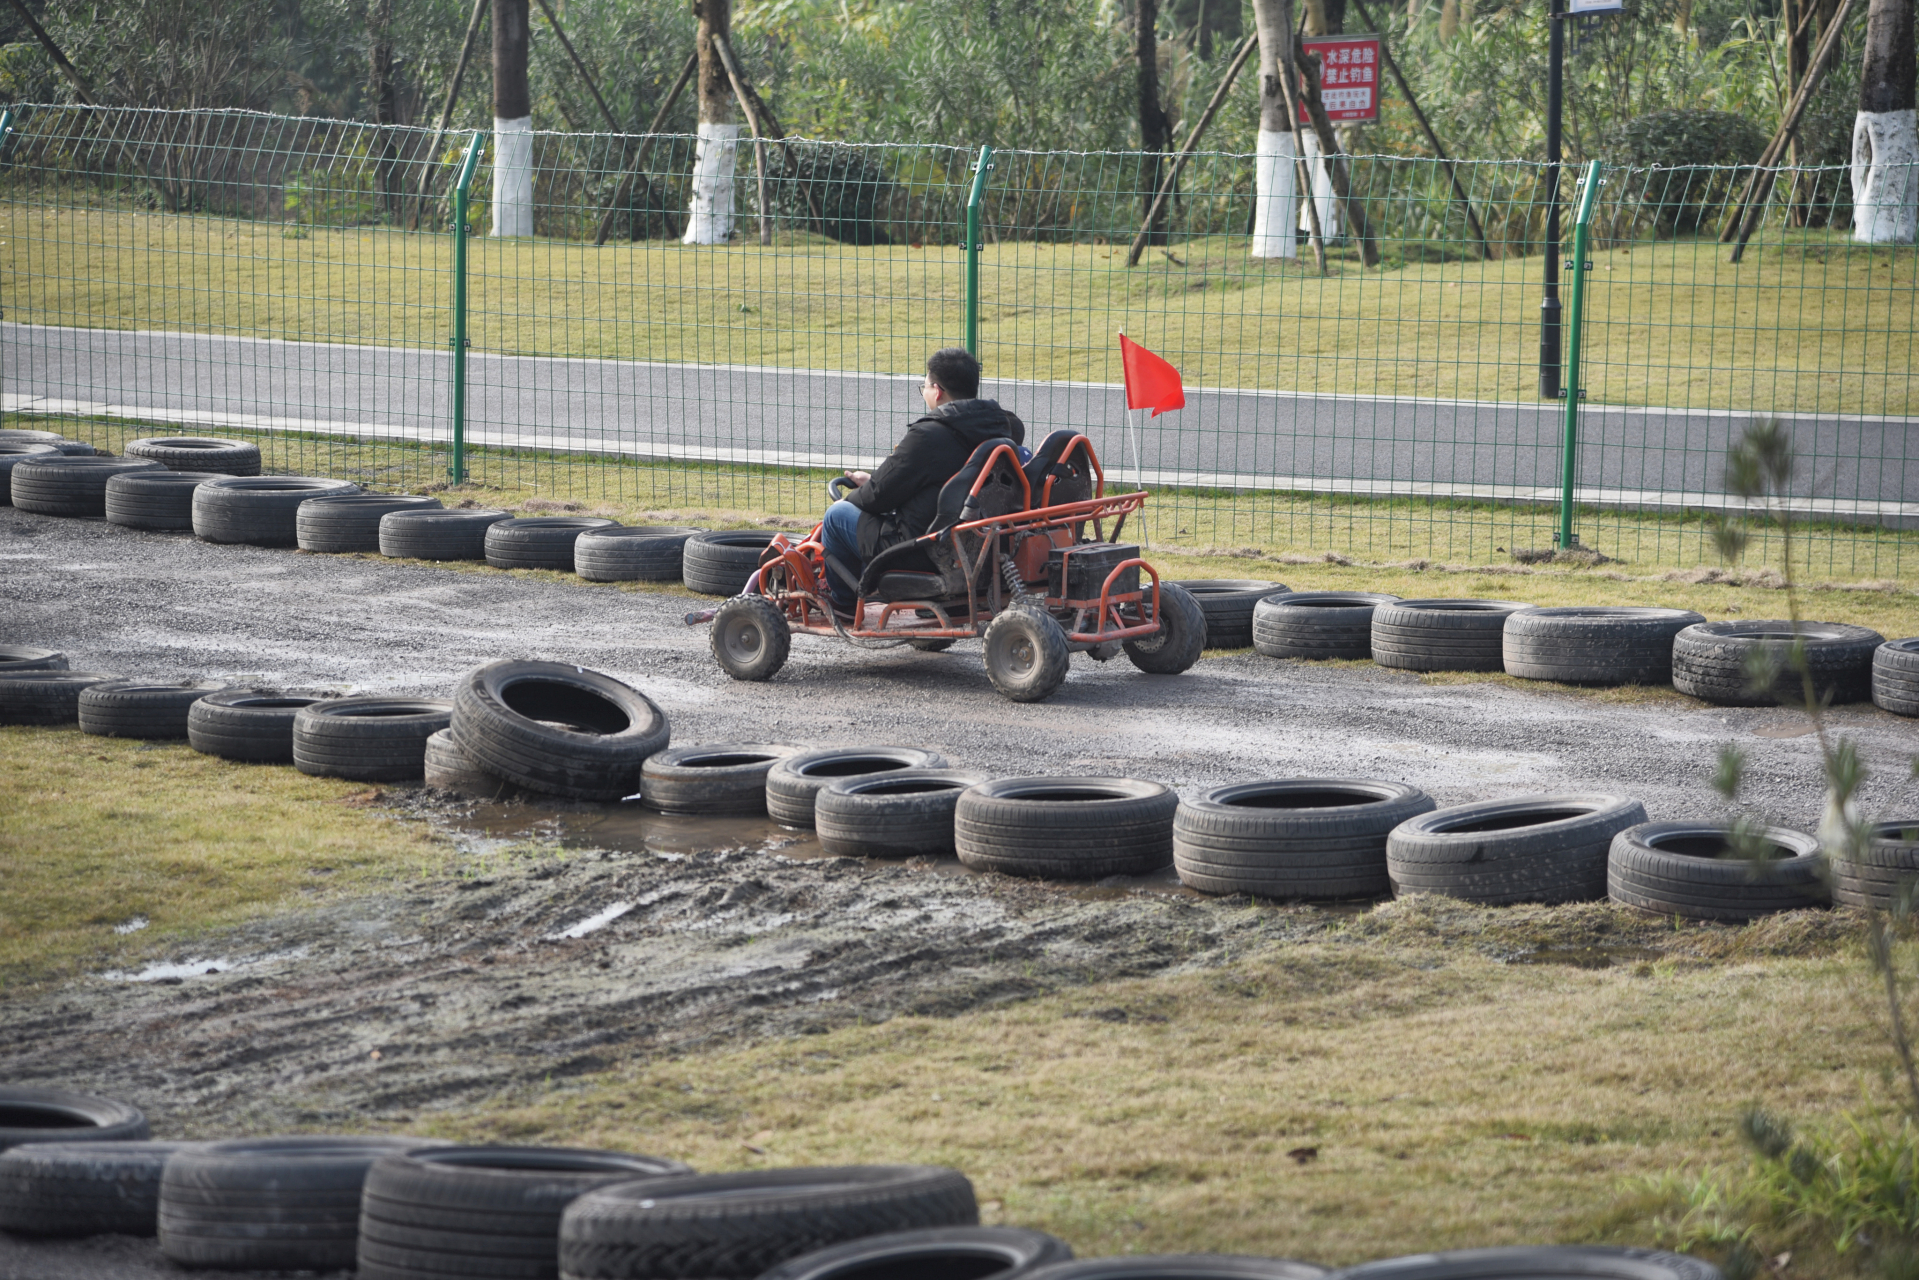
x,y
1026,654
1182,634
751,638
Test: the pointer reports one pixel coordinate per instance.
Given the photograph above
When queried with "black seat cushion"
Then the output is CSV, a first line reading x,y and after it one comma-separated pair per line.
x,y
1072,479
904,585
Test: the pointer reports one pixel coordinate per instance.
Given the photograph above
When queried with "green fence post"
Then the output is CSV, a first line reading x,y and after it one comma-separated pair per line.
x,y
1570,388
972,248
461,184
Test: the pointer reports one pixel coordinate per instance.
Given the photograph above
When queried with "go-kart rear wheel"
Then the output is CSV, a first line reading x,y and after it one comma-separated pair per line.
x,y
1026,654
938,644
751,638
1182,634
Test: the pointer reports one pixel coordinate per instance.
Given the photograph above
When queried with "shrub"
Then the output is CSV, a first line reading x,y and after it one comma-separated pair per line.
x,y
1684,163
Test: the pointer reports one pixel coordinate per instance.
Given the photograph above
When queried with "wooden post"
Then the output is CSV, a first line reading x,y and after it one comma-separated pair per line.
x,y
1192,140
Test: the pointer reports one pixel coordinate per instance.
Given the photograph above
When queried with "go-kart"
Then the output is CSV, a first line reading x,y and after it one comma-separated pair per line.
x,y
1019,555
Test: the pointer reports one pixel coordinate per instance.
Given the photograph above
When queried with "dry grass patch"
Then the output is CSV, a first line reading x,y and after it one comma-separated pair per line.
x,y
1390,1088
98,832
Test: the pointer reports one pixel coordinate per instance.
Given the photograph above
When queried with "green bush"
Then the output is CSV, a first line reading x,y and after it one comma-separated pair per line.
x,y
1684,163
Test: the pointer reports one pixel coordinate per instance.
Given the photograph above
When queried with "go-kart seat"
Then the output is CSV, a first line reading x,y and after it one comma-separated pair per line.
x,y
1072,479
927,569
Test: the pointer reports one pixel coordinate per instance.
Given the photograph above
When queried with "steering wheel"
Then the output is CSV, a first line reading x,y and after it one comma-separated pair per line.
x,y
838,487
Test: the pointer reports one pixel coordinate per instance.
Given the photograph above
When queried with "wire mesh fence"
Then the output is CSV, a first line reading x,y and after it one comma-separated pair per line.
x,y
292,280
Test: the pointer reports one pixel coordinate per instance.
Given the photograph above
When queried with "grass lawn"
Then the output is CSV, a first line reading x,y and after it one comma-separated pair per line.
x,y
89,824
1806,323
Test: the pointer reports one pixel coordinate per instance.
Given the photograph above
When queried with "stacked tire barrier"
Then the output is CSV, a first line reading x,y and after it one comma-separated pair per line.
x,y
58,485
721,562
1293,837
405,1208
159,499
1229,605
1442,634
640,553
1593,645
1317,624
1714,661
553,728
437,534
260,511
199,453
350,522
1548,848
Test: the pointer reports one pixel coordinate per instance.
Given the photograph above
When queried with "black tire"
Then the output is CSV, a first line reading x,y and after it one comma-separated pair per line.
x,y
1293,837
557,729
141,709
1543,848
27,435
1588,644
458,534
17,657
1895,677
792,783
1442,635
54,1115
720,777
1709,662
246,724
367,739
84,1188
908,814
751,639
491,1211
1026,655
931,1253
69,486
45,697
1180,641
734,1226
1883,872
642,553
260,511
1317,624
447,768
154,499
720,561
79,449
199,453
14,452
538,542
1537,1262
1689,869
1227,604
1181,1266
350,522
1066,828
269,1204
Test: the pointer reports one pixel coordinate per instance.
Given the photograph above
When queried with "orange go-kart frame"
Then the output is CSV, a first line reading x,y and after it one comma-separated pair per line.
x,y
792,573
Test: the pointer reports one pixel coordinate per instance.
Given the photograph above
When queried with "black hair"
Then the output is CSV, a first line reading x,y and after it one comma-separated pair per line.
x,y
955,370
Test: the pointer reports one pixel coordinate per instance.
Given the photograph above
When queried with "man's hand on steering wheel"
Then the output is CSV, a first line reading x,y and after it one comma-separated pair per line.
x,y
837,486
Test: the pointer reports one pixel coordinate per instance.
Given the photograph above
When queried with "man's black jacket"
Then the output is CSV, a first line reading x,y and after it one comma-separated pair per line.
x,y
901,498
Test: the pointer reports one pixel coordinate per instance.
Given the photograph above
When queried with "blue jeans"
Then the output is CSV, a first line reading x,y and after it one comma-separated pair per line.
x,y
840,535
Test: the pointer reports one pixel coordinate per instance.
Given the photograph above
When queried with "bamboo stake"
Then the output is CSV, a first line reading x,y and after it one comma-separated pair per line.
x,y
446,111
1192,140
621,192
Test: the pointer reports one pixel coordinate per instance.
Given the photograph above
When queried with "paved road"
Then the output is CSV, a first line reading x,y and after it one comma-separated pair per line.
x,y
1227,438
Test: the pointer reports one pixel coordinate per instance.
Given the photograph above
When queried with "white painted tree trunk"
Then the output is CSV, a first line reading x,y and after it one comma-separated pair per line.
x,y
710,219
513,177
1885,177
1322,188
1275,197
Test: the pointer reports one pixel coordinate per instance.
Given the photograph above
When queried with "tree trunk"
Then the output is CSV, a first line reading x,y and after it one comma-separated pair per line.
x,y
1155,130
381,94
512,121
710,216
1885,133
1275,203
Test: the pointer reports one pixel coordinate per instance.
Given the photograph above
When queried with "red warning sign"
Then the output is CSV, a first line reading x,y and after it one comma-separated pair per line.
x,y
1349,69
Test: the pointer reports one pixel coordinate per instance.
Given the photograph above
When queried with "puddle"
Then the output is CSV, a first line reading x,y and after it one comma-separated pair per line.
x,y
592,923
1589,957
181,970
629,827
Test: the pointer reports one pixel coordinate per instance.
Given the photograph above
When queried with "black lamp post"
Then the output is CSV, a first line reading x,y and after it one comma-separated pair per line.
x,y
1549,308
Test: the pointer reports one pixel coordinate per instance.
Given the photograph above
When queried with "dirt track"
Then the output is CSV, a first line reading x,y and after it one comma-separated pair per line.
x,y
379,1011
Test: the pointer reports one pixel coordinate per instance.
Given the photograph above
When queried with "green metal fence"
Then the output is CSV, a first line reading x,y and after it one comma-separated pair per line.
x,y
308,283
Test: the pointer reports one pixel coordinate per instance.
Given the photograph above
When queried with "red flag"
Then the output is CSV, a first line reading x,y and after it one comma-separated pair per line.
x,y
1151,383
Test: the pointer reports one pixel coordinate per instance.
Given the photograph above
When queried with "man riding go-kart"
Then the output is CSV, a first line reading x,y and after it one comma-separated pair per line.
x,y
962,533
